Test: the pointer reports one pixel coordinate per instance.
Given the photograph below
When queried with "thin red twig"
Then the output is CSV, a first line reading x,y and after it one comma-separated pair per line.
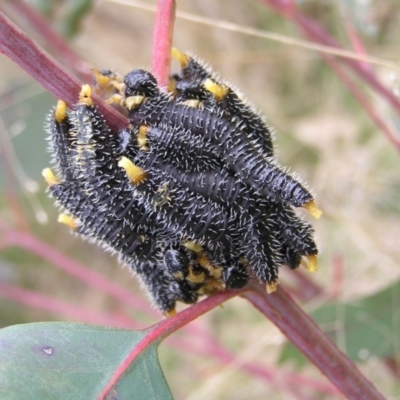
x,y
54,305
308,337
317,33
30,243
160,331
162,40
392,136
15,44
53,40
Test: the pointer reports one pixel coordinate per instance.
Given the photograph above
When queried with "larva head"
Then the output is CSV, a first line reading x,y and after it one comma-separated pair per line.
x,y
140,83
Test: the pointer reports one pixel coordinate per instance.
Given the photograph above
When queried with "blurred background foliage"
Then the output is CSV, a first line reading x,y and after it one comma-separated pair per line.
x,y
322,132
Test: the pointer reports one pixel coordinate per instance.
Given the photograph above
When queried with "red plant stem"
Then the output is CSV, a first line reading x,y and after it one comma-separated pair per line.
x,y
55,41
15,44
35,246
160,331
355,40
393,138
308,337
307,289
210,347
393,366
51,304
318,34
162,40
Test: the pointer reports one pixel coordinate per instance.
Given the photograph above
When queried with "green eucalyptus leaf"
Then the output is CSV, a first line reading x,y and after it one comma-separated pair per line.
x,y
57,360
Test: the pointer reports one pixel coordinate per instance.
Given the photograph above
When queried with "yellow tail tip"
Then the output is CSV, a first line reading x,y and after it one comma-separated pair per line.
x,y
135,174
85,95
49,177
179,56
133,102
68,220
313,209
60,113
170,313
219,91
101,79
310,263
272,287
193,246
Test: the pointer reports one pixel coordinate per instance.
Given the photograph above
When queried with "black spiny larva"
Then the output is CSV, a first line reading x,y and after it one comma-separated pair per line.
x,y
188,194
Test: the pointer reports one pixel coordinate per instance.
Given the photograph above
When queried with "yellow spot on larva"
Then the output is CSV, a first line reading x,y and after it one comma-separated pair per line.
x,y
68,220
85,95
133,102
49,177
193,103
193,246
101,79
313,209
135,174
310,263
142,137
181,57
170,313
219,91
60,112
272,287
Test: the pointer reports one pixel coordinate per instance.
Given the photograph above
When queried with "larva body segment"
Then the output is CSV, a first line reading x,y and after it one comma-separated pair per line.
x,y
177,146
185,211
61,141
193,81
91,222
228,137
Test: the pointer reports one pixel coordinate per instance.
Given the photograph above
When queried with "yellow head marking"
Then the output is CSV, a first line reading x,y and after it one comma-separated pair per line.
x,y
101,80
272,287
178,275
68,220
49,177
313,209
179,56
60,112
195,277
85,95
116,99
219,91
170,313
142,137
310,263
205,263
193,246
194,103
172,86
135,174
133,102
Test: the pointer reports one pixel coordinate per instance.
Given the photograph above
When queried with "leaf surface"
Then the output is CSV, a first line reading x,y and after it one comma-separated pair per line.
x,y
57,360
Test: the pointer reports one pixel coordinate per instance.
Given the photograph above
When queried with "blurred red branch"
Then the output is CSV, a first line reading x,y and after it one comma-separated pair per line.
x,y
162,40
54,305
52,39
16,44
30,243
308,337
391,135
317,33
